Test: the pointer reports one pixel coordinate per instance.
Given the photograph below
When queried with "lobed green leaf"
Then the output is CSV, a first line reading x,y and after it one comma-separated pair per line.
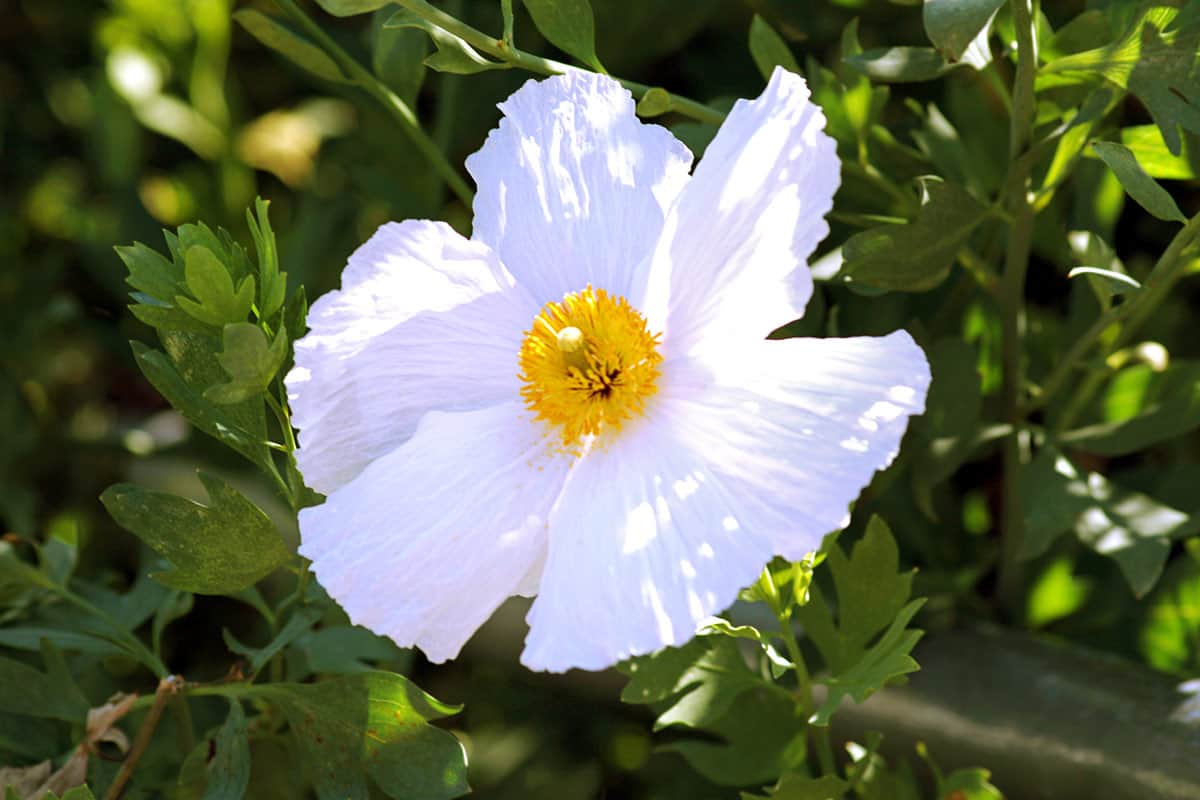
x,y
220,548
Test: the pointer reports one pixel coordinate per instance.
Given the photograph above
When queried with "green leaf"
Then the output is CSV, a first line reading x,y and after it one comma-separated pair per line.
x,y
250,362
884,661
703,678
755,740
945,435
769,50
349,8
376,723
1156,60
1108,281
969,784
51,694
1170,635
871,591
953,24
1140,186
16,572
569,26
272,283
228,769
236,426
1131,528
1146,144
916,256
220,548
654,102
299,624
1173,412
453,55
398,56
901,64
290,44
793,786
150,273
343,650
210,283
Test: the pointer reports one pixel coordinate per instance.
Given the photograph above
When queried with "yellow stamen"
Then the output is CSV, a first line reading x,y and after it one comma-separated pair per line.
x,y
588,364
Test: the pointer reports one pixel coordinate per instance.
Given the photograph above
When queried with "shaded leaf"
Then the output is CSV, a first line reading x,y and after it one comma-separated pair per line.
x,y
916,256
1140,186
220,548
769,50
884,661
871,591
250,362
375,723
150,272
291,45
453,55
793,786
348,8
272,284
953,24
901,64
299,623
1173,410
52,694
228,770
235,426
568,25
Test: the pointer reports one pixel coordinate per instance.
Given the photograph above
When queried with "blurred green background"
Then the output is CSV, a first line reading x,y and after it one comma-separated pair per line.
x,y
123,117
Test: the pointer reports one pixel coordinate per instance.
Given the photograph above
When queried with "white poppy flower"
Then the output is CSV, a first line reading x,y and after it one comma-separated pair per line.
x,y
579,403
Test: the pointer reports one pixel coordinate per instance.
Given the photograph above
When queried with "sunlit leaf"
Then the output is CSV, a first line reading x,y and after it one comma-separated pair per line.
x,y
1156,60
1131,528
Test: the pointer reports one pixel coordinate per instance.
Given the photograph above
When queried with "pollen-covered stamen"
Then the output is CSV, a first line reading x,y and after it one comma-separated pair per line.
x,y
588,364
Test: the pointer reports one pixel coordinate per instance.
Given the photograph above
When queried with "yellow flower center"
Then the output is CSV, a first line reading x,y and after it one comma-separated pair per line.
x,y
588,364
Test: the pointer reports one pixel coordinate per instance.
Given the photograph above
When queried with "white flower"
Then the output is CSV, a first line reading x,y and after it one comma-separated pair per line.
x,y
579,402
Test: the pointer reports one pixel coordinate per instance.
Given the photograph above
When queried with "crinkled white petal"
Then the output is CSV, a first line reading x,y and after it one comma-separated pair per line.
x,y
646,542
732,261
428,540
797,428
425,319
572,188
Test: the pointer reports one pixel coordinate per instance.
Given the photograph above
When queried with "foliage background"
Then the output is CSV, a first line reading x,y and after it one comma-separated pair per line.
x,y
120,118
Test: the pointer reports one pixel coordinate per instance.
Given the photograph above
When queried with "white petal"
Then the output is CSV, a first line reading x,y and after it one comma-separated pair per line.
x,y
425,319
645,543
797,428
732,259
428,540
572,187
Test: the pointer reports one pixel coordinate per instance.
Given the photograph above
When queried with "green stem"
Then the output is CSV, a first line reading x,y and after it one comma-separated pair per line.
x,y
1012,296
819,734
390,101
503,50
